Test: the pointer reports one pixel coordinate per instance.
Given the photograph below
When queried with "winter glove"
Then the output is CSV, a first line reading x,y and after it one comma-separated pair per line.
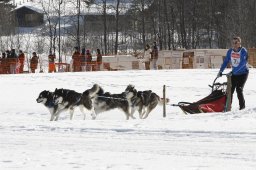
x,y
219,74
229,74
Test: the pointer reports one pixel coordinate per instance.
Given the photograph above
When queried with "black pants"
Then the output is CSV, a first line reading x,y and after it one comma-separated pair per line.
x,y
238,82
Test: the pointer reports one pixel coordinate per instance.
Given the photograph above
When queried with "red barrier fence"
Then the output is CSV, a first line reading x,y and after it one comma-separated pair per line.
x,y
85,66
10,66
13,66
60,67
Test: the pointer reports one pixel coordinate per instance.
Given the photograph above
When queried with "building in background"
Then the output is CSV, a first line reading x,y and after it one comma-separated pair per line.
x,y
28,16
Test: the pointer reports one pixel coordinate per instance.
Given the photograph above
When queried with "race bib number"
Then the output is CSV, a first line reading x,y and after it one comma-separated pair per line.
x,y
235,59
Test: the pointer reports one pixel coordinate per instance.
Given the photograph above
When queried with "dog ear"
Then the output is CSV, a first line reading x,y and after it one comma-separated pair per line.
x,y
131,86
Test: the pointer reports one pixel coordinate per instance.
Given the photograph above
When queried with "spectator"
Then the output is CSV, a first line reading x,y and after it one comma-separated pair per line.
x,y
3,55
51,61
146,57
13,54
82,58
154,56
21,58
13,61
7,61
88,58
8,53
76,60
99,60
1,63
33,62
4,64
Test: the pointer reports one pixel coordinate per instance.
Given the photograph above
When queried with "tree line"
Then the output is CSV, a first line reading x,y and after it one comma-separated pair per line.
x,y
124,26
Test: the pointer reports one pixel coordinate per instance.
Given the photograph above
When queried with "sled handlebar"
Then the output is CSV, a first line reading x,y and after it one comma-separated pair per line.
x,y
219,84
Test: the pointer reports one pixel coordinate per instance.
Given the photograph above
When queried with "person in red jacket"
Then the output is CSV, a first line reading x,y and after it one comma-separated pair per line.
x,y
21,58
82,59
88,58
33,62
76,60
51,61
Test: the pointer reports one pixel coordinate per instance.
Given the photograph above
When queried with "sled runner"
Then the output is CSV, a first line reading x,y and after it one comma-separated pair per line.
x,y
217,101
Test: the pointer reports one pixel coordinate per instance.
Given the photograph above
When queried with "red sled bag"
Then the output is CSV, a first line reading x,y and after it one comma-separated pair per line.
x,y
214,102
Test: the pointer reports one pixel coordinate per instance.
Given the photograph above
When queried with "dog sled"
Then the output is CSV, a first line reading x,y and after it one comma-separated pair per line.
x,y
217,101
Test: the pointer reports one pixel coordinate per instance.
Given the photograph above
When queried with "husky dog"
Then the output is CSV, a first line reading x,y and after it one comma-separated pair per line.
x,y
105,101
67,99
142,101
46,98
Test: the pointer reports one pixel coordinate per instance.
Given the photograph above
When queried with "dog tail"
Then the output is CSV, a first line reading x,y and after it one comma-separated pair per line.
x,y
161,101
94,90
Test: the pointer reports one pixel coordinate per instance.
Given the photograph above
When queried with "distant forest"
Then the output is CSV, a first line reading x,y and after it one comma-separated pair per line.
x,y
173,24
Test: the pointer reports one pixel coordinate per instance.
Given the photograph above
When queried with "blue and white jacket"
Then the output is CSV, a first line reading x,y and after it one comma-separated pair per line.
x,y
238,60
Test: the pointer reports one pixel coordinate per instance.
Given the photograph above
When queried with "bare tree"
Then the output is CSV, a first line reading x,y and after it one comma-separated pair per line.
x,y
78,23
105,25
59,14
7,24
49,9
117,25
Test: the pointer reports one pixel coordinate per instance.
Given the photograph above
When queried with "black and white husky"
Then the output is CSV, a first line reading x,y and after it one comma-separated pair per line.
x,y
69,99
46,98
142,101
63,99
105,101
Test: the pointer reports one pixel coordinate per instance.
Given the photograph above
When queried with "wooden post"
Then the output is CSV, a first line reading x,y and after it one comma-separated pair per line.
x,y
228,102
164,102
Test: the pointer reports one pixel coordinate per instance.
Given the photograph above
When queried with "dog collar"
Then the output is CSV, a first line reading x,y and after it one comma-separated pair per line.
x,y
50,104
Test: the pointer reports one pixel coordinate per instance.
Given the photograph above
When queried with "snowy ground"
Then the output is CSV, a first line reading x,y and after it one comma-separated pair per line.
x,y
28,140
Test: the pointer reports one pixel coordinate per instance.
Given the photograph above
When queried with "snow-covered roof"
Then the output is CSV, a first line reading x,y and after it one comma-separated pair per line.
x,y
69,8
33,8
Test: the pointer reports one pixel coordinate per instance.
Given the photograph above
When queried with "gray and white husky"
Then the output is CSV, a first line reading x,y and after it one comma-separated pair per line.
x,y
105,101
142,101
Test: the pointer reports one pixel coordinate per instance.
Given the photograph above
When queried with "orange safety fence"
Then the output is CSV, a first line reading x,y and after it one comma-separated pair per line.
x,y
13,66
78,66
10,66
61,67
